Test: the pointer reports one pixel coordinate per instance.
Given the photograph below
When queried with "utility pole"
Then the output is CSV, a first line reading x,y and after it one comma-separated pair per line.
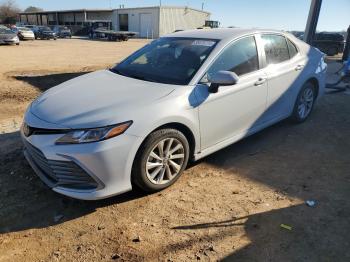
x,y
346,53
202,6
312,20
160,2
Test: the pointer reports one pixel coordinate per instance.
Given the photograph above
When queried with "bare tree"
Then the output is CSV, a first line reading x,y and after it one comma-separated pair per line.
x,y
8,12
33,9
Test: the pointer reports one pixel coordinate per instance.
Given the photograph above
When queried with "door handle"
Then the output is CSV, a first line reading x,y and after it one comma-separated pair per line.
x,y
299,67
260,81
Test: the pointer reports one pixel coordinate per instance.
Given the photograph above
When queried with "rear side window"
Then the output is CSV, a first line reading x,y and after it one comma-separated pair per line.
x,y
276,49
292,48
241,57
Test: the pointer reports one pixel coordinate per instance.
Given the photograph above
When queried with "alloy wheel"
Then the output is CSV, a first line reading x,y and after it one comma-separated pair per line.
x,y
165,161
305,103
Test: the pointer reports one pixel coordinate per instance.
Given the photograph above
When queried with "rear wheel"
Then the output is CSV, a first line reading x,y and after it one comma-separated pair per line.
x,y
161,160
304,103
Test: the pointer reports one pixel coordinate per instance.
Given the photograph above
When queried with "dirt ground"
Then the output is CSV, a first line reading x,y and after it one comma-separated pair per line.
x,y
229,206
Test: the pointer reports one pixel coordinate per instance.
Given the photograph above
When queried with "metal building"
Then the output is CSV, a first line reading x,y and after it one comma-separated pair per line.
x,y
66,17
149,22
78,20
153,22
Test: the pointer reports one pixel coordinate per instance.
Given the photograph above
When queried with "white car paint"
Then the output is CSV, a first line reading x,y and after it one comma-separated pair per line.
x,y
103,98
26,33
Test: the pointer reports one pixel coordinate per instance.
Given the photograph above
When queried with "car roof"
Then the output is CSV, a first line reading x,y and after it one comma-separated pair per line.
x,y
220,33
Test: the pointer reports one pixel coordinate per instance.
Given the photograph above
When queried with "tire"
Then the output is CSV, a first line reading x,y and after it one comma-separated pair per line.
x,y
304,103
148,179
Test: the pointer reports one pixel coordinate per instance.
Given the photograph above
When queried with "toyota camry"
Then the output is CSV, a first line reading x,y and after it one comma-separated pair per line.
x,y
177,99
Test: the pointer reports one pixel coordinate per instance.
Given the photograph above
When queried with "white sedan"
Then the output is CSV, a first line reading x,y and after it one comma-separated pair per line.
x,y
25,33
179,98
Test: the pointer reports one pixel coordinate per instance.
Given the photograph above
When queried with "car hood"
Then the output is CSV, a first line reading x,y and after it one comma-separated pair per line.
x,y
7,36
26,32
97,99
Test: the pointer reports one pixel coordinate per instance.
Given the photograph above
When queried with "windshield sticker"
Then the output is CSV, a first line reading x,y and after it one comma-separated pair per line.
x,y
204,43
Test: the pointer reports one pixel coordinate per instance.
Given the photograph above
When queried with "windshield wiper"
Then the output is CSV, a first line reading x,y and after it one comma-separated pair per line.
x,y
116,71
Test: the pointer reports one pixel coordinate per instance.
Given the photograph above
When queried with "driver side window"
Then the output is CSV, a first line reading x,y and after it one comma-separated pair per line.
x,y
240,57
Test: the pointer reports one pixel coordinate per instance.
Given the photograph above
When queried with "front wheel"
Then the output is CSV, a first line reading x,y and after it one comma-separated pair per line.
x,y
160,160
304,103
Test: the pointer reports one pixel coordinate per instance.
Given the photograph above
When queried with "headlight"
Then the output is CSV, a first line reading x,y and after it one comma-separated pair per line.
x,y
93,135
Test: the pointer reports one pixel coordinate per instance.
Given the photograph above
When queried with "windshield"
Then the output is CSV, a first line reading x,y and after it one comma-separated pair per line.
x,y
168,60
5,31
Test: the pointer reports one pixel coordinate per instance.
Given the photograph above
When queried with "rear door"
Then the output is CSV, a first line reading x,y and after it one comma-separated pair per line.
x,y
283,67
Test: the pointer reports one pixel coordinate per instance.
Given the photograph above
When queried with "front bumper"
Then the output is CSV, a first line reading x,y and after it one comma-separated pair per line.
x,y
106,165
64,35
9,41
46,36
27,37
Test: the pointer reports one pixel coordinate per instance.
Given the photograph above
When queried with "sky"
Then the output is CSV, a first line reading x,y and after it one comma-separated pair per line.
x,y
274,14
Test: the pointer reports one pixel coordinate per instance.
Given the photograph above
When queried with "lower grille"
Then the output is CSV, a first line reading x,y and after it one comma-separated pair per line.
x,y
61,173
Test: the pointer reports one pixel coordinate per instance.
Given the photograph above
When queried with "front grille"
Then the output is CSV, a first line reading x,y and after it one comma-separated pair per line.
x,y
29,130
61,173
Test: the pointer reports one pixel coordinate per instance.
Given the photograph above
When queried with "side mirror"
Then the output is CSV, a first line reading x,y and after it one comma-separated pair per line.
x,y
221,78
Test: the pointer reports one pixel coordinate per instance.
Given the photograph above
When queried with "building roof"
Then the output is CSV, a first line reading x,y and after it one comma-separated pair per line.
x,y
66,11
108,10
220,33
164,6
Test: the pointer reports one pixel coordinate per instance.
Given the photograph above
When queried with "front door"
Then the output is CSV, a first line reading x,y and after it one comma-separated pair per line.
x,y
236,109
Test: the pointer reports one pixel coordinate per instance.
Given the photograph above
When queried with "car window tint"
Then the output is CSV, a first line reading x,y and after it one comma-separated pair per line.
x,y
292,48
241,57
276,49
168,60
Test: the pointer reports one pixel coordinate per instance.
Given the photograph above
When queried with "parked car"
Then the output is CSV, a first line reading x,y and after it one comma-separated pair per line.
x,y
179,98
298,34
44,32
32,27
3,27
62,31
25,33
8,37
329,43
